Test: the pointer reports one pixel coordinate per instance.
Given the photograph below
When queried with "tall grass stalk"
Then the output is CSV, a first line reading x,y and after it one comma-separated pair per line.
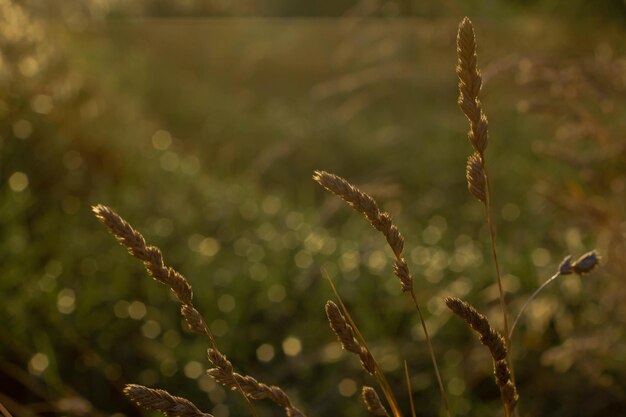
x,y
470,84
381,221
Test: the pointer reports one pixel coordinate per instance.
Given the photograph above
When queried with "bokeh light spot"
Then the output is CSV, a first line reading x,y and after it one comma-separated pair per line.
x,y
193,369
266,231
66,300
431,235
249,210
332,352
294,220
120,309
38,363
265,352
303,259
258,271
271,204
28,66
219,327
292,346
168,367
161,140
22,129
72,160
541,257
171,338
510,212
226,303
42,104
456,386
209,247
347,387
377,261
137,310
349,260
276,293
190,165
18,181
170,161
151,329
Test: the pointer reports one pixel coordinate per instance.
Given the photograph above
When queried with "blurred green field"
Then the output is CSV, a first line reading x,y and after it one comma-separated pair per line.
x,y
203,133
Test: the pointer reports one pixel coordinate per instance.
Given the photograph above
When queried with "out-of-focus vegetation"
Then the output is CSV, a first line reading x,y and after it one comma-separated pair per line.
x,y
204,134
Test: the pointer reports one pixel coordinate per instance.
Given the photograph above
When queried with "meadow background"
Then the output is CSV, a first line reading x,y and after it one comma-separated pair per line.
x,y
201,123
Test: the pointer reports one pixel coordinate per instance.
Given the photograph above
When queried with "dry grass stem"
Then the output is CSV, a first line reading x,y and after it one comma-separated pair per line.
x,y
344,333
255,389
372,402
583,265
496,345
409,388
159,400
152,259
4,411
479,323
470,84
150,255
380,376
382,222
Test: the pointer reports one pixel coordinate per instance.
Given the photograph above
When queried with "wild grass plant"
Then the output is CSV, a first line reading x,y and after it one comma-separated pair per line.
x,y
341,321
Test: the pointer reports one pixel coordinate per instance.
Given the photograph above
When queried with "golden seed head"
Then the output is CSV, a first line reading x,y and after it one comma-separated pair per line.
x,y
475,174
372,402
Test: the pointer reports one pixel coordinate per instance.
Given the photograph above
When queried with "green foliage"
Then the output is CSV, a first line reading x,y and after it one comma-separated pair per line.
x,y
204,136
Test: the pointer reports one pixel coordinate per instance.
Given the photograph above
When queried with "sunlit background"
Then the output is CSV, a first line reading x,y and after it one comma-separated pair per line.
x,y
201,123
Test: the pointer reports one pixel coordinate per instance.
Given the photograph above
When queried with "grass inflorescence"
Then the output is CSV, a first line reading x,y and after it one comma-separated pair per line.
x,y
497,341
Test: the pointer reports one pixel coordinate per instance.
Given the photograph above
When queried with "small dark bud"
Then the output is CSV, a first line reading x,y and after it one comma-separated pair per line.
x,y
566,266
586,263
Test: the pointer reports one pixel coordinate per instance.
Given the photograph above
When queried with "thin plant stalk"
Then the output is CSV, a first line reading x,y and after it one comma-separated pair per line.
x,y
4,411
494,252
432,354
583,265
152,259
530,299
409,388
380,376
382,222
470,85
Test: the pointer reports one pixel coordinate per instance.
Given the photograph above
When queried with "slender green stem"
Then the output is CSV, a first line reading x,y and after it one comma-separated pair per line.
x,y
531,298
442,391
492,235
494,252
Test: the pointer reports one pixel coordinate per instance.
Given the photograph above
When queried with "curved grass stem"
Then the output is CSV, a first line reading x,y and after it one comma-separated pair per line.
x,y
531,298
433,358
